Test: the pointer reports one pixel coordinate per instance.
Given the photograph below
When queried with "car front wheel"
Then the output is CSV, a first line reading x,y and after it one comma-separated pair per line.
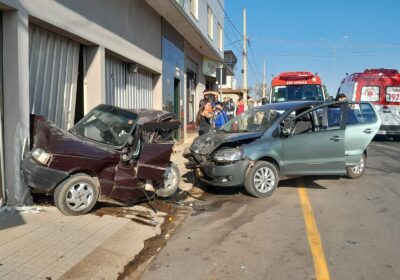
x,y
77,195
171,182
358,170
262,179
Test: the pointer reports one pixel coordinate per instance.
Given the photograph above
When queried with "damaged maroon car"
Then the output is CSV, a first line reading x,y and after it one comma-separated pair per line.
x,y
111,155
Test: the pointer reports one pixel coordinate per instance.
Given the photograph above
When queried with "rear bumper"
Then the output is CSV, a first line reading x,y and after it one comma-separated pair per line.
x,y
41,178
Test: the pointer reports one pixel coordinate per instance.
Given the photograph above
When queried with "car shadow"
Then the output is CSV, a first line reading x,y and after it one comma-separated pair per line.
x,y
308,182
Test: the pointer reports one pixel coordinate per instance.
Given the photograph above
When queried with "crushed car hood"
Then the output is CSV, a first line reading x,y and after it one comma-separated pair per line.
x,y
209,142
53,139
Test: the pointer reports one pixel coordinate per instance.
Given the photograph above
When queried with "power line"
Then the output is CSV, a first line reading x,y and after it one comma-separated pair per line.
x,y
252,55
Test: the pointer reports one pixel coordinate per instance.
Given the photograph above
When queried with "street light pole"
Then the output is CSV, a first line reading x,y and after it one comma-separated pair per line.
x,y
334,46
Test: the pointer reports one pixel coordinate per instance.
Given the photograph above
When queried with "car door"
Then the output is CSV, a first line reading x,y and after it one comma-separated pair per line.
x,y
362,125
153,161
319,149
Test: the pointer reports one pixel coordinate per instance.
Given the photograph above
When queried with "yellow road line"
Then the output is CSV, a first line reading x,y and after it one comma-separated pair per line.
x,y
314,239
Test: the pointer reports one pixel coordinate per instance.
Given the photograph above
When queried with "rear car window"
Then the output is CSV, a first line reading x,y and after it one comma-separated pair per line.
x,y
393,94
360,114
370,93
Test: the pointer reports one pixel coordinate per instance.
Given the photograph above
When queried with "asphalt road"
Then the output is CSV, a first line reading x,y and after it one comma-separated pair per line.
x,y
234,236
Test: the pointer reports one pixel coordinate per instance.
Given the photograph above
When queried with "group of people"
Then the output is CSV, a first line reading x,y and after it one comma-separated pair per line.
x,y
214,114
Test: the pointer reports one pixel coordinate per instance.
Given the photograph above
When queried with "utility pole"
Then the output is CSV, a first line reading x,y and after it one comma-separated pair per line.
x,y
244,60
264,93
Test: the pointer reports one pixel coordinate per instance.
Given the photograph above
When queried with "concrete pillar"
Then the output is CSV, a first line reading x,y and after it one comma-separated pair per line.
x,y
16,103
157,92
95,83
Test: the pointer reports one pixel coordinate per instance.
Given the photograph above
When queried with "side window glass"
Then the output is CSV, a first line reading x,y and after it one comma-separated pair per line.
x,y
304,124
360,114
329,117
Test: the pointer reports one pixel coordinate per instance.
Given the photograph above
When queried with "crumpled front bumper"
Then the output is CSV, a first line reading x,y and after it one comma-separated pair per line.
x,y
41,178
215,174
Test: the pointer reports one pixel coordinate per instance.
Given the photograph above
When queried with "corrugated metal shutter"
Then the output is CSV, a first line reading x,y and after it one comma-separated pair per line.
x,y
125,89
53,70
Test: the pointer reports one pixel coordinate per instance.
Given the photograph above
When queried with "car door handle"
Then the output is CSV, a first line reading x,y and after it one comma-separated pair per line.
x,y
336,138
368,131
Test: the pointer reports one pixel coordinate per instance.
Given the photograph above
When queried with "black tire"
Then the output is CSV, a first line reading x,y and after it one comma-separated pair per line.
x,y
86,191
172,178
255,173
358,170
396,138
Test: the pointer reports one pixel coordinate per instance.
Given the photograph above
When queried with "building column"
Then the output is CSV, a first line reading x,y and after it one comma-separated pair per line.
x,y
157,92
95,78
16,104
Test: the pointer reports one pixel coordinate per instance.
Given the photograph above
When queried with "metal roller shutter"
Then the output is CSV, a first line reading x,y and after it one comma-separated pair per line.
x,y
127,89
53,70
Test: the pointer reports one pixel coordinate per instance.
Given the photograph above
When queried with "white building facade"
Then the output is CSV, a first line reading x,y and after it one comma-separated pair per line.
x,y
61,58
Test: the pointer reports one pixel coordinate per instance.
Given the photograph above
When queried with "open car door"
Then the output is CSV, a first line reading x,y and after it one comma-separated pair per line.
x,y
362,125
153,161
155,156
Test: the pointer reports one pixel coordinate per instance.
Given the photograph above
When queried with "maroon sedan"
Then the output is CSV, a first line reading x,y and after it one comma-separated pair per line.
x,y
112,155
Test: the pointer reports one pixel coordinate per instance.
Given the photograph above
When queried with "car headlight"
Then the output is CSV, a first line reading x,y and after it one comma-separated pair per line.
x,y
41,156
228,155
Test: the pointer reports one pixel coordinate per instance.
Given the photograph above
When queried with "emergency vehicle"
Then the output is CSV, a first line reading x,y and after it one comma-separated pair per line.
x,y
381,87
291,86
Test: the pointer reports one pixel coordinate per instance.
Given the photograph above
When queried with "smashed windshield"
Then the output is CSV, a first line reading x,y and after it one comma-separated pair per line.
x,y
297,92
106,124
251,121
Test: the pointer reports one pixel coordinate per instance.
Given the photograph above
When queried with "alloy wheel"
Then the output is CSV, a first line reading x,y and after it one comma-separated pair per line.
x,y
79,196
359,167
264,179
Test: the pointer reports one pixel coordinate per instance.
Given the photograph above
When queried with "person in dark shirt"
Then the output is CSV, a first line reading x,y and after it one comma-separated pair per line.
x,y
203,118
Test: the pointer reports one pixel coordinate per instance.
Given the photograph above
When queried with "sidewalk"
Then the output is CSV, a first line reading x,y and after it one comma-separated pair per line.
x,y
41,243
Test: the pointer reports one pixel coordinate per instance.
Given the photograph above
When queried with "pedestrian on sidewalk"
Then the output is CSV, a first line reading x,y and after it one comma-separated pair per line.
x,y
239,106
220,115
229,107
204,118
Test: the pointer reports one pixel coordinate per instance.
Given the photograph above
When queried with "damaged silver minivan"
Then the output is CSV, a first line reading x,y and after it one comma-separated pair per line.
x,y
283,140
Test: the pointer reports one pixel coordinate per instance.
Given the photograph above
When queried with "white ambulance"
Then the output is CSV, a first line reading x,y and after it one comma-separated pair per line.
x,y
381,87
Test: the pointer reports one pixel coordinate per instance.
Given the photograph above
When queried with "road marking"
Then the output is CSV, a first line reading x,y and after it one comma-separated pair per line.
x,y
314,239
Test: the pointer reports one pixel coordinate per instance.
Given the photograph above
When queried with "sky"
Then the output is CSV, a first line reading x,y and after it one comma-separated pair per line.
x,y
294,35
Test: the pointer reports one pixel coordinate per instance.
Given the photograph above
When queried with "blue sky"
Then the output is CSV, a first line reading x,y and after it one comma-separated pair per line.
x,y
301,35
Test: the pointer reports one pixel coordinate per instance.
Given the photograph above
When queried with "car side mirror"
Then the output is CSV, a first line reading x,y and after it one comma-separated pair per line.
x,y
330,99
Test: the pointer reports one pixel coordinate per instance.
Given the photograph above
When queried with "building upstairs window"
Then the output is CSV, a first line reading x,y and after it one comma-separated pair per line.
x,y
194,8
210,22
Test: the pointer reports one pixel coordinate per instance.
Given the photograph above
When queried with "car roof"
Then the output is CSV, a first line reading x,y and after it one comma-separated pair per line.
x,y
144,115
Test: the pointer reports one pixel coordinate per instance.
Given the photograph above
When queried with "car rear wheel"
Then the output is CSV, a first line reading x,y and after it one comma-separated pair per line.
x,y
358,170
262,179
171,182
77,195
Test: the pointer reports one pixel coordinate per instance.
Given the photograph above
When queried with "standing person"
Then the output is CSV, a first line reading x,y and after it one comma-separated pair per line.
x,y
239,106
220,115
341,97
229,107
203,118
